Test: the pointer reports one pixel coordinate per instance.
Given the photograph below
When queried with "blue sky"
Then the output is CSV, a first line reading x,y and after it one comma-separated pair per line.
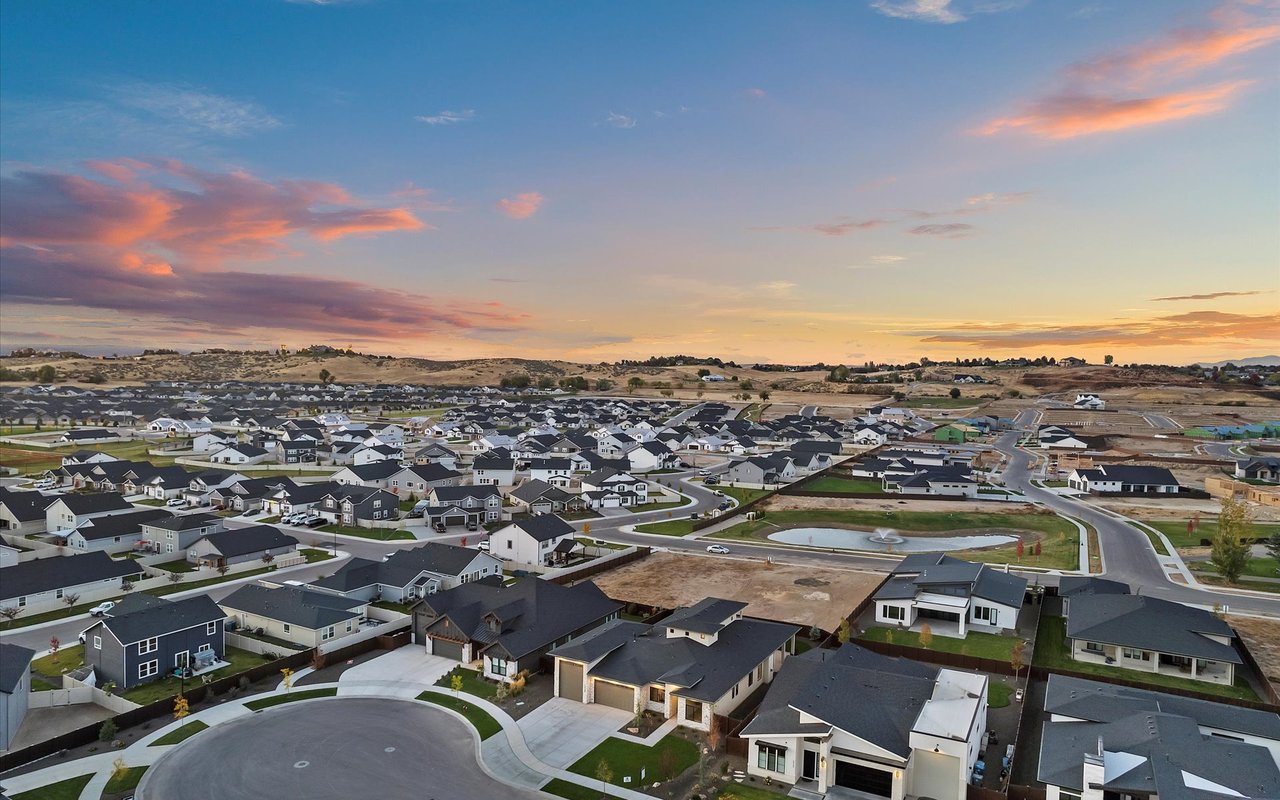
x,y
778,181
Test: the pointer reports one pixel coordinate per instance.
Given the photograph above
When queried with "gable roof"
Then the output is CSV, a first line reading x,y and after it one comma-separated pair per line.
x,y
94,503
15,660
402,568
243,541
185,522
294,605
1150,623
544,527
158,619
60,572
119,524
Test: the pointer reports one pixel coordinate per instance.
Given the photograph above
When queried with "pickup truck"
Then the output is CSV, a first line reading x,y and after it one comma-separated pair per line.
x,y
102,609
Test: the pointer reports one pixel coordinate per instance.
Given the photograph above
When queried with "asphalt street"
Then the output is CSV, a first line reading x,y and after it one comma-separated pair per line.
x,y
328,750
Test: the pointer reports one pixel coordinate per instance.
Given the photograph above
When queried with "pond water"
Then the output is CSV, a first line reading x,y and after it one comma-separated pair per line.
x,y
887,541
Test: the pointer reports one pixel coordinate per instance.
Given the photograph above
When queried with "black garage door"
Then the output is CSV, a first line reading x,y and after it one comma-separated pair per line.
x,y
864,779
446,648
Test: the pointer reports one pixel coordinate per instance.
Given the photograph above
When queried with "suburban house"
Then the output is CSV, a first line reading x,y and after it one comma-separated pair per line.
x,y
1087,401
1108,741
41,584
15,689
436,453
456,505
114,532
410,574
177,533
539,497
540,540
1124,478
945,481
1151,635
951,595
650,456
377,475
241,545
359,506
22,512
509,628
419,479
611,488
555,471
298,614
877,725
493,470
69,511
1259,469
88,436
239,454
301,451
760,470
147,637
700,661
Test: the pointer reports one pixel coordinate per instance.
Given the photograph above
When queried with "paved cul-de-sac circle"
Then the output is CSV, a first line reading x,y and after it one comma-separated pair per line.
x,y
336,749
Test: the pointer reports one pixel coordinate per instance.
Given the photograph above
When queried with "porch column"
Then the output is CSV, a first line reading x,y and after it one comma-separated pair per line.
x,y
1195,663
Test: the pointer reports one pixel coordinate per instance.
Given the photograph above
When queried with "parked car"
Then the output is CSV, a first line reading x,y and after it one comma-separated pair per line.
x,y
174,502
719,493
483,546
710,481
314,521
695,515
702,473
724,506
46,483
102,609
717,548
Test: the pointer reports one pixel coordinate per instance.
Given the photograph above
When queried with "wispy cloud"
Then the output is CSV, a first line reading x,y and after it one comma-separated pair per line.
x,y
217,114
841,227
448,117
888,259
522,206
1209,296
776,287
756,91
1193,328
617,120
944,12
1158,81
949,230
154,240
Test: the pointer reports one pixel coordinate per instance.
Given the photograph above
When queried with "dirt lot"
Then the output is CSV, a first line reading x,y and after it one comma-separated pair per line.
x,y
773,592
785,503
1180,508
1262,637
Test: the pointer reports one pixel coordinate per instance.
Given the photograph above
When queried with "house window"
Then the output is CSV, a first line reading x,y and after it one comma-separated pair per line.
x,y
22,602
657,694
771,757
148,668
894,612
287,627
1137,655
148,646
97,642
984,613
509,546
211,629
58,594
1093,647
204,648
349,624
328,633
169,536
1064,795
693,710
498,666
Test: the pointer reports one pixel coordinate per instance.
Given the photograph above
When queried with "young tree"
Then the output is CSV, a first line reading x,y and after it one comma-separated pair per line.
x,y
107,731
604,774
9,614
223,569
286,675
1230,553
1015,659
181,708
54,644
843,632
1019,548
175,577
455,683
1036,549
926,636
1273,546
69,600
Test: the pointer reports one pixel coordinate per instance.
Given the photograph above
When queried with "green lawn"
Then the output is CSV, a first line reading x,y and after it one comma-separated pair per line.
x,y
588,542
150,501
180,734
169,686
672,527
1051,652
275,700
403,608
655,506
472,683
942,402
1155,540
380,534
626,759
1059,542
312,555
126,781
69,789
1255,567
1176,530
976,644
743,496
480,719
745,791
161,591
1243,583
572,791
67,659
180,565
835,485
41,685
998,694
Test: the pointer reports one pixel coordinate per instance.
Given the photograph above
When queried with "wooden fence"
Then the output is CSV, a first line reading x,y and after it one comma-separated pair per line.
x,y
599,565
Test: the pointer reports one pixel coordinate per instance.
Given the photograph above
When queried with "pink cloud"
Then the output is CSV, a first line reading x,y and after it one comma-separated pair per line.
x,y
1146,84
522,206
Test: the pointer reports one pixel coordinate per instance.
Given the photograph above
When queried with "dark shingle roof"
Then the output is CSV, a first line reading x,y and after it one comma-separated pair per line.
x,y
295,605
120,524
544,527
14,662
1151,624
162,618
706,616
402,568
97,503
253,539
59,572
185,522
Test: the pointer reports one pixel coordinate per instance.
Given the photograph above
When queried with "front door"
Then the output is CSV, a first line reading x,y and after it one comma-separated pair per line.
x,y
809,770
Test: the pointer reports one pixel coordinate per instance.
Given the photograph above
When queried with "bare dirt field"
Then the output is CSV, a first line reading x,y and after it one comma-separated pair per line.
x,y
1262,637
785,503
803,595
1181,508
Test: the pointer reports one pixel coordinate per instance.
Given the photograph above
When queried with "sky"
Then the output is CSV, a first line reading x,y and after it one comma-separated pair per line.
x,y
801,181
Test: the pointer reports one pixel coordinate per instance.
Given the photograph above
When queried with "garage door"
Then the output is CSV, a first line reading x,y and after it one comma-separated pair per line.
x,y
570,681
615,695
446,648
864,779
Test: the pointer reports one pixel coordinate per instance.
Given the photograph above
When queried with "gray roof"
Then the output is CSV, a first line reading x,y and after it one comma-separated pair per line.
x,y
1076,585
253,539
24,506
705,616
300,606
544,527
97,503
531,614
60,572
1149,623
185,522
14,662
1094,701
120,524
924,571
162,618
638,654
871,696
402,568
1173,753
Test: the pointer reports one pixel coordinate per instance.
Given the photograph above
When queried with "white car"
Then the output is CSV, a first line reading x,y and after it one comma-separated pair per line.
x,y
101,609
46,483
483,546
717,548
174,502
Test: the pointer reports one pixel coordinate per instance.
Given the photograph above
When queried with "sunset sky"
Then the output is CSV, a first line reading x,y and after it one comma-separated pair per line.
x,y
781,181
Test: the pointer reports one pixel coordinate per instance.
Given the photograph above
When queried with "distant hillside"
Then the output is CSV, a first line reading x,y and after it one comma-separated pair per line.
x,y
1253,361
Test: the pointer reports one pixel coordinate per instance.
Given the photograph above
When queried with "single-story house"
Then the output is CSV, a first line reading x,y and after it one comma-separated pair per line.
x,y
298,614
241,545
412,573
952,595
41,585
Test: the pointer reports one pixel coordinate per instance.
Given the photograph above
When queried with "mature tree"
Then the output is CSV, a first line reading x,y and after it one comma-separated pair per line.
x,y
764,395
633,383
1273,546
955,392
603,384
46,374
10,613
325,376
1230,552
704,372
1108,360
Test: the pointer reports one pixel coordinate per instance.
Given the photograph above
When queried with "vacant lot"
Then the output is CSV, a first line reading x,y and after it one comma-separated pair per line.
x,y
1262,637
825,596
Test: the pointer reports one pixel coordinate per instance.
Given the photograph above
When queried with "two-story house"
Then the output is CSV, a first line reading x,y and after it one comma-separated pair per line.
x,y
541,540
148,637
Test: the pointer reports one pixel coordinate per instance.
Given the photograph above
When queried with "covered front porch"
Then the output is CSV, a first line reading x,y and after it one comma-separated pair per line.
x,y
1198,669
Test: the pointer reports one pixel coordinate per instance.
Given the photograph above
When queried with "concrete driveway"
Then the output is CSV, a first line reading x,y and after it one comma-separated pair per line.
x,y
409,664
560,731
